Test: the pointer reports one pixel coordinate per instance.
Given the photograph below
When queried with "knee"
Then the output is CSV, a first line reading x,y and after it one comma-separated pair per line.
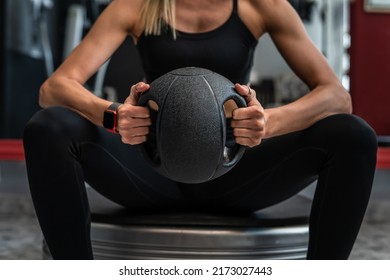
x,y
357,132
52,124
44,122
351,131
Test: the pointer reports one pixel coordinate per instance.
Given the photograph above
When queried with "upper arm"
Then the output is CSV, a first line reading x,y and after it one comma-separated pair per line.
x,y
116,22
290,37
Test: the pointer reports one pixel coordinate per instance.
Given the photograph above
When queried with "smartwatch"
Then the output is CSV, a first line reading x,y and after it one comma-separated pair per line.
x,y
110,117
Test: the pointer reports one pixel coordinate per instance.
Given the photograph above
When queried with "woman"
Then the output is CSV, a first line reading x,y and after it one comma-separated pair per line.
x,y
315,137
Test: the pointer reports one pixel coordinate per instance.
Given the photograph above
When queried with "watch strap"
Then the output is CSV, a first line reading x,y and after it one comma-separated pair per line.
x,y
113,110
114,106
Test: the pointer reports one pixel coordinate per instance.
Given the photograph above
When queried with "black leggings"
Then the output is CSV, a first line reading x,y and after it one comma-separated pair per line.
x,y
64,150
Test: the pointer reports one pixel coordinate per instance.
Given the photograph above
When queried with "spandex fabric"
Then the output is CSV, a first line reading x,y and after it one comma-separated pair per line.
x,y
63,150
231,43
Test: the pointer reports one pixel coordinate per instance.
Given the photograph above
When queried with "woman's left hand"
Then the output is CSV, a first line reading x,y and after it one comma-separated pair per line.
x,y
248,123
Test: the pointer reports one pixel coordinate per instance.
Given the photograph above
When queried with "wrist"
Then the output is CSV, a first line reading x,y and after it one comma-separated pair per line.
x,y
270,124
110,117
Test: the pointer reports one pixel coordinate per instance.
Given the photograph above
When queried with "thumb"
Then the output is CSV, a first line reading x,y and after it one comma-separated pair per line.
x,y
248,93
135,92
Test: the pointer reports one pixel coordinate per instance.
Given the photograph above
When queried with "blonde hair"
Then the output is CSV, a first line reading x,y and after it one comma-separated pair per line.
x,y
157,13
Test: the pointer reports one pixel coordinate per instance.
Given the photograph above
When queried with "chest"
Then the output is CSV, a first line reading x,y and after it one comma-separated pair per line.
x,y
194,17
227,50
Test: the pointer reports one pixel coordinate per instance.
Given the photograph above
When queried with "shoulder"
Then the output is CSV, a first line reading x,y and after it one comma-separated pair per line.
x,y
270,7
275,14
126,13
263,16
123,4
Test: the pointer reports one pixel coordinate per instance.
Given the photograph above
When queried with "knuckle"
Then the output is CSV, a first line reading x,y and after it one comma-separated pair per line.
x,y
260,133
257,110
124,110
259,124
125,140
255,141
235,113
238,140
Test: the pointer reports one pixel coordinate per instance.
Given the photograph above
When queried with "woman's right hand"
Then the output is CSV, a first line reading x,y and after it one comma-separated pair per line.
x,y
134,121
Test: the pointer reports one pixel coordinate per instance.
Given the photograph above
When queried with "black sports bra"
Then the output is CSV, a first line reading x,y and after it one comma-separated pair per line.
x,y
227,50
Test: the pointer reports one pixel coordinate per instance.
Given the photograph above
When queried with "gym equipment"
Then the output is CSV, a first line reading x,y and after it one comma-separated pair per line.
x,y
189,139
278,232
28,29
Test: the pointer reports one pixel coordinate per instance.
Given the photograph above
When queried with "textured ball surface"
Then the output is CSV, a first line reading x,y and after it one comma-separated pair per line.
x,y
188,138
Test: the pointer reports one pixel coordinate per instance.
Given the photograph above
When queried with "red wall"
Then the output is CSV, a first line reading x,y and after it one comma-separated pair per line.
x,y
370,66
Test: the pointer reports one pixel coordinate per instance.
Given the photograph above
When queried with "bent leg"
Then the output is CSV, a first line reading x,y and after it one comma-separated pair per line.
x,y
344,186
340,151
62,151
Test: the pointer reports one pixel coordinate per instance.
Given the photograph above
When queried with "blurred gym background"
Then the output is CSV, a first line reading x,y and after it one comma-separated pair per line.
x,y
36,36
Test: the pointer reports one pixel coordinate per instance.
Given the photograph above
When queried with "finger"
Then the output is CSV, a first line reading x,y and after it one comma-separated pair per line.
x,y
246,92
134,135
134,140
249,142
135,92
253,112
247,132
127,125
246,123
249,135
126,111
135,132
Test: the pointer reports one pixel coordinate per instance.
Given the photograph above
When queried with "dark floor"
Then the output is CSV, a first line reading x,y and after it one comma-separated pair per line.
x,y
20,236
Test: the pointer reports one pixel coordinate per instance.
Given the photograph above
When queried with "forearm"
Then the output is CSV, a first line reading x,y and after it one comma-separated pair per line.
x,y
73,95
321,102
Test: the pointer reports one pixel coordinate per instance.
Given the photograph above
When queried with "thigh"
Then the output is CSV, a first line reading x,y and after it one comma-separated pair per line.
x,y
120,173
282,166
66,148
275,170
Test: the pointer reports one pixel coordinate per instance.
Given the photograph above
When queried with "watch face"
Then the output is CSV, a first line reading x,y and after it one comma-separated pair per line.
x,y
109,119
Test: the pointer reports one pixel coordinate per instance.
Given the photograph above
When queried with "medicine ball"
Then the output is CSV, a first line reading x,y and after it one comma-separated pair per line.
x,y
189,140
